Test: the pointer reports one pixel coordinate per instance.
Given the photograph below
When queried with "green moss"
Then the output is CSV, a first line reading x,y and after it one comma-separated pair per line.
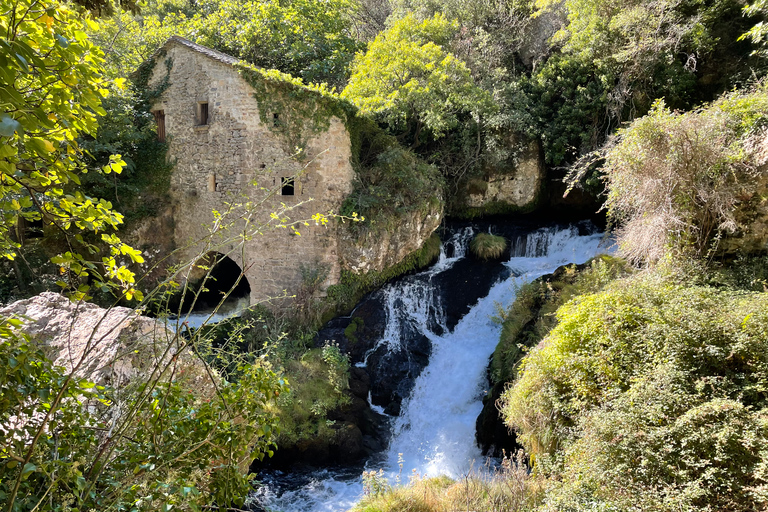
x,y
355,325
303,111
530,318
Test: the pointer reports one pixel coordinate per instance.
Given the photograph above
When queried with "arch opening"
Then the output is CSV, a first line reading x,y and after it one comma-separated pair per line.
x,y
213,278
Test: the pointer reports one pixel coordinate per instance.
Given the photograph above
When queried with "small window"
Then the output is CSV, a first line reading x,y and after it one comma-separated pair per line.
x,y
160,121
202,114
275,120
288,188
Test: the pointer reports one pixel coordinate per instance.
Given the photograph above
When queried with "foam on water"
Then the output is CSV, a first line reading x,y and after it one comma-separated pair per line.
x,y
435,433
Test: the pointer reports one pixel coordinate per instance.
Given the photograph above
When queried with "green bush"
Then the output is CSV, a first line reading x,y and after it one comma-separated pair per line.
x,y
318,380
488,247
532,315
649,395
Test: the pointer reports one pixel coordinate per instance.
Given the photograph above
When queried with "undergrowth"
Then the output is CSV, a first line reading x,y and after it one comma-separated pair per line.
x,y
508,488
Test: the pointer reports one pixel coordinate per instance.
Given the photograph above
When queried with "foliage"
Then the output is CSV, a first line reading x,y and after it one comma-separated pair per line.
x,y
564,103
508,488
409,81
303,110
51,92
319,380
532,315
70,444
649,395
674,179
759,31
309,40
391,182
304,38
128,40
486,246
319,377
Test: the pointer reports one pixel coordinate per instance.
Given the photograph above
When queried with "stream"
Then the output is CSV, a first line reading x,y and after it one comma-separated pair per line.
x,y
435,431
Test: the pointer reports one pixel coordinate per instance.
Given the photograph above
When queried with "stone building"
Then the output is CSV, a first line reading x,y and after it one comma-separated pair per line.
x,y
229,148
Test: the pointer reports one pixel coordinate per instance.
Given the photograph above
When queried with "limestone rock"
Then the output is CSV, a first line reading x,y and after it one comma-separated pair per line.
x,y
511,185
106,346
379,249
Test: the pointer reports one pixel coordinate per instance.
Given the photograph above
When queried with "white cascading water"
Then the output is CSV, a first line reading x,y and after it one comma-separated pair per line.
x,y
435,432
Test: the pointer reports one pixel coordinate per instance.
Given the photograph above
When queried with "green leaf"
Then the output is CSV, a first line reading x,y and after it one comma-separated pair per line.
x,y
29,468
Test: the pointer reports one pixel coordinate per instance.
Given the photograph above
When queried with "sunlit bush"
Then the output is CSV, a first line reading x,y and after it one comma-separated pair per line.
x,y
488,247
650,395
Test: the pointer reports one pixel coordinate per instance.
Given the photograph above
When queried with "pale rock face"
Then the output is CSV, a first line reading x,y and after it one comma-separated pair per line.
x,y
517,184
380,249
106,346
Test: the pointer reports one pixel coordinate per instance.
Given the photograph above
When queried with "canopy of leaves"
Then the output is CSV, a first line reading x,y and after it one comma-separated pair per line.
x,y
409,81
307,39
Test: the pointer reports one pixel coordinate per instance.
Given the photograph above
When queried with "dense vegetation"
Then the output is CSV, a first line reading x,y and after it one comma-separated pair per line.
x,y
644,391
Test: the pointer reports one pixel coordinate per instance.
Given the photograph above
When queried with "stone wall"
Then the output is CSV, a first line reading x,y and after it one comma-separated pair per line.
x,y
236,158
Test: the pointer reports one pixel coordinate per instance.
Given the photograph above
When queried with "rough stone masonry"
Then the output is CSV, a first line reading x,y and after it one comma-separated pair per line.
x,y
225,154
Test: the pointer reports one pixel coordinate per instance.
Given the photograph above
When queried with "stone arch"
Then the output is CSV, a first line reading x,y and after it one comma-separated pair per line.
x,y
220,275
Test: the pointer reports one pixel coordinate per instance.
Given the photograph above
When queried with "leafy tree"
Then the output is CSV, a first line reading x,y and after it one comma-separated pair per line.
x,y
410,81
50,93
307,39
636,53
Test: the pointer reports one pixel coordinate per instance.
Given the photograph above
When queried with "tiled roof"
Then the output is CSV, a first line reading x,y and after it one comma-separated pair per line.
x,y
221,57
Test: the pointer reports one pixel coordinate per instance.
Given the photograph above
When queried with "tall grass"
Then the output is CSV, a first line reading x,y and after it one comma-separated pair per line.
x,y
507,488
488,247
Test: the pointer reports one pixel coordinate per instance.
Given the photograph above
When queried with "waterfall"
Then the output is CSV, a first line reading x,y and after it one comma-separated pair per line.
x,y
414,304
435,432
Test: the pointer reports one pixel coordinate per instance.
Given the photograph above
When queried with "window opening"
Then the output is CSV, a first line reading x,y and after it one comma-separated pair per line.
x,y
288,188
202,114
160,121
275,119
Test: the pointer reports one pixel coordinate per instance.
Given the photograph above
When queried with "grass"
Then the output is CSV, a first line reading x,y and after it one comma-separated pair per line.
x,y
509,488
488,247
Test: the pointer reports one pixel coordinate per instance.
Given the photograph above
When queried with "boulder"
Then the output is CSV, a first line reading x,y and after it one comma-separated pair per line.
x,y
110,347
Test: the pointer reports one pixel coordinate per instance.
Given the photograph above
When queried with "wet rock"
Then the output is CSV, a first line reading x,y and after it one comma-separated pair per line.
x,y
394,372
359,332
493,436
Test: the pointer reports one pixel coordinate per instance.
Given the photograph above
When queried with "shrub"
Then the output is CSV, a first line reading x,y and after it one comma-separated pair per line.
x,y
674,180
531,316
488,247
649,395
